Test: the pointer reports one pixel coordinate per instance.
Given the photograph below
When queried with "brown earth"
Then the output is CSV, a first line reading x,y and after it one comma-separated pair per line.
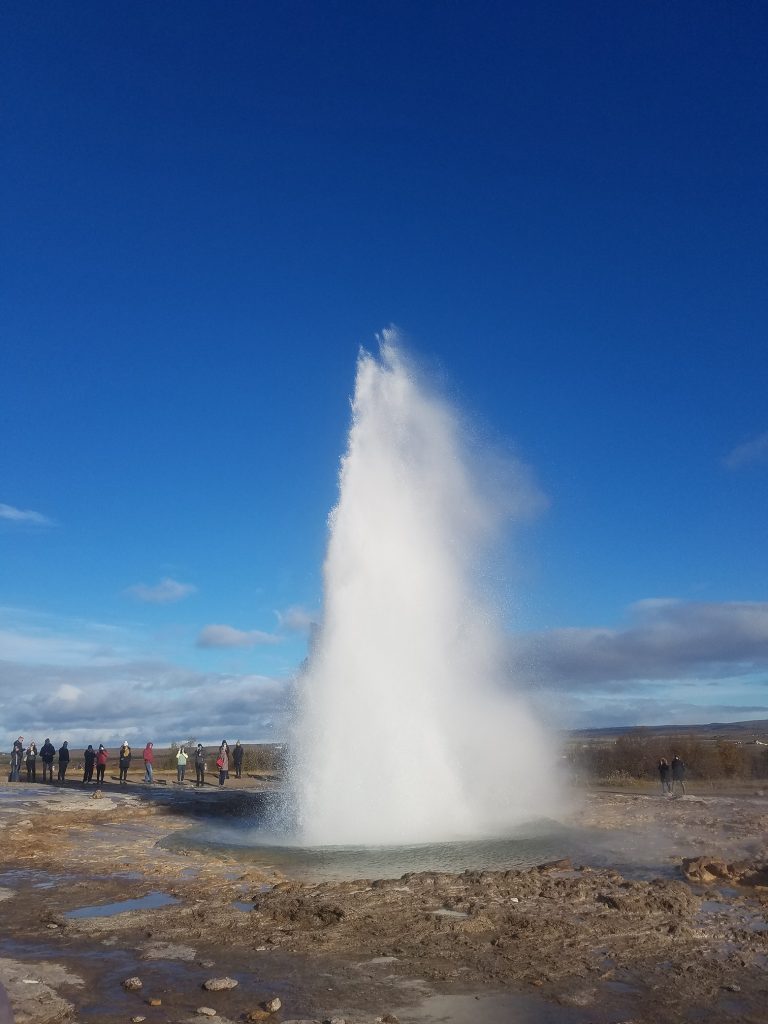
x,y
559,943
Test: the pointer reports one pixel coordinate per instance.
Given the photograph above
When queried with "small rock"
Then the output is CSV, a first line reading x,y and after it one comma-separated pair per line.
x,y
132,984
335,1020
97,795
257,1015
272,1005
207,964
584,997
154,1002
514,899
219,984
51,925
389,1018
206,1011
732,987
564,864
137,1020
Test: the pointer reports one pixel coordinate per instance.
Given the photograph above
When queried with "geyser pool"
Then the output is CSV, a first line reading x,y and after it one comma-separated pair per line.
x,y
408,728
250,844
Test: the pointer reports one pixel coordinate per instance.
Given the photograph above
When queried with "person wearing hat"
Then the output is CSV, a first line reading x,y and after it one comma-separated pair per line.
x,y
17,755
47,754
199,765
124,762
102,756
63,760
89,759
149,757
31,761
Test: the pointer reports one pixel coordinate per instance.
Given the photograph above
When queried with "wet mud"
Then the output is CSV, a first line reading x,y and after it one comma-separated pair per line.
x,y
562,942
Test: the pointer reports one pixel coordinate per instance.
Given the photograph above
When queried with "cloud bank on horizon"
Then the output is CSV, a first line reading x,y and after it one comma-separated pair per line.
x,y
674,662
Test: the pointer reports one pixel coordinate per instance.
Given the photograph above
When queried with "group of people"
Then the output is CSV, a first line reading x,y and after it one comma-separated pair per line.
x,y
26,757
670,774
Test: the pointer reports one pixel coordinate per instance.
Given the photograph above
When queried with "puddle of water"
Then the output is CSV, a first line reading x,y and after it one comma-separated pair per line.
x,y
151,901
496,1009
243,905
623,987
737,917
32,876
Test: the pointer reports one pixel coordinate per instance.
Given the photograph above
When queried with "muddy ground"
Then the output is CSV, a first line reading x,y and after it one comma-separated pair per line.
x,y
558,943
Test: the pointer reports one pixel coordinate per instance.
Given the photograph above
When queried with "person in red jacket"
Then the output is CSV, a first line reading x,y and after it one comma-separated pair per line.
x,y
102,755
149,757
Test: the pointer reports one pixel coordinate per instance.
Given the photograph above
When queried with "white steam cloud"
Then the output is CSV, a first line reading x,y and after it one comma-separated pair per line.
x,y
407,730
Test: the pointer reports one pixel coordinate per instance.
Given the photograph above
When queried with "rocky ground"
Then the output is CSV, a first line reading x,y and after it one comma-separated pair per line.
x,y
558,943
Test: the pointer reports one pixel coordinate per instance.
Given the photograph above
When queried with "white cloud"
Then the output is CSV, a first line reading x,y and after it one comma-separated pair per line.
x,y
67,693
18,515
754,450
165,592
296,619
228,636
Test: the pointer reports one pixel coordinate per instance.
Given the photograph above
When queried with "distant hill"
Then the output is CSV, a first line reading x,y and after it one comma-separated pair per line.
x,y
742,731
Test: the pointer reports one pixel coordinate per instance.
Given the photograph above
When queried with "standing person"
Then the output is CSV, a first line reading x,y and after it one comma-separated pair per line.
x,y
125,762
17,756
47,753
102,755
678,773
181,763
89,759
63,760
237,760
222,762
199,765
663,767
31,760
149,757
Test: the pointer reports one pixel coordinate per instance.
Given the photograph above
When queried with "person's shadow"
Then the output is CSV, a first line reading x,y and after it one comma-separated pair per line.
x,y
6,1013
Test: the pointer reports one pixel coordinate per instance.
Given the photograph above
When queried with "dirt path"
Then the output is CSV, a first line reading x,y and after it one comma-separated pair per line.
x,y
561,943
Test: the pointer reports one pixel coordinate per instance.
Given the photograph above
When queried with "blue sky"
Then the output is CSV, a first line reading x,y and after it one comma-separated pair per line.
x,y
208,208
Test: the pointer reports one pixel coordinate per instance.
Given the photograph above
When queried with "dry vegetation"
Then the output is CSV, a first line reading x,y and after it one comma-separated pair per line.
x,y
634,756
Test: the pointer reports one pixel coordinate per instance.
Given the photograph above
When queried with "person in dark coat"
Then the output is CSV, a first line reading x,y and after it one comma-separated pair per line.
x,y
199,765
31,761
89,760
17,756
666,785
63,760
125,762
678,774
47,754
237,760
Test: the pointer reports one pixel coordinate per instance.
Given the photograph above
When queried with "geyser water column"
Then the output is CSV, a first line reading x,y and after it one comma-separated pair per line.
x,y
407,728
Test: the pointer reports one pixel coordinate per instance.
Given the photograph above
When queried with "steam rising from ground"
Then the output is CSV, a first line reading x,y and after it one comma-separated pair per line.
x,y
407,729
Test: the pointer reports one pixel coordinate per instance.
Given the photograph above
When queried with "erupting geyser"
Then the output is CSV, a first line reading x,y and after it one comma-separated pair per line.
x,y
408,729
